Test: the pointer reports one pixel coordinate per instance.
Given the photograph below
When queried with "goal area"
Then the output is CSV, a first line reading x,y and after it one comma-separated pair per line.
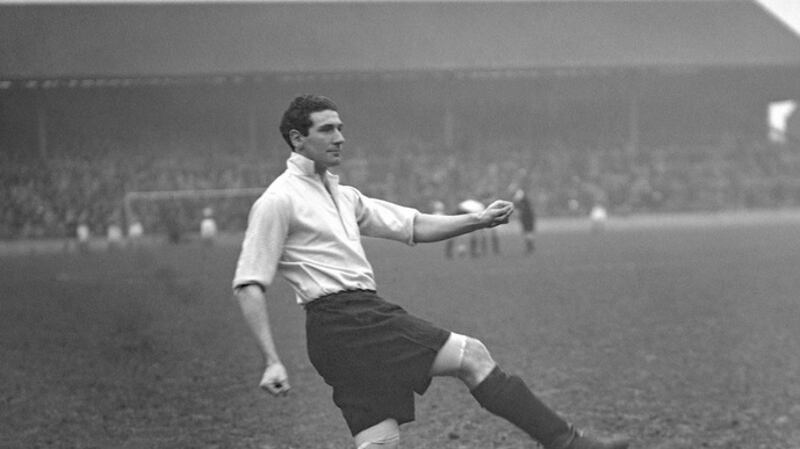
x,y
170,211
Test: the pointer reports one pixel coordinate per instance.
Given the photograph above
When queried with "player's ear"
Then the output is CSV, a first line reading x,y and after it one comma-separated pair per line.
x,y
296,138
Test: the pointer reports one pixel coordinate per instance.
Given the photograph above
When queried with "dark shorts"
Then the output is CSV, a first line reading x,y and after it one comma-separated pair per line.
x,y
373,353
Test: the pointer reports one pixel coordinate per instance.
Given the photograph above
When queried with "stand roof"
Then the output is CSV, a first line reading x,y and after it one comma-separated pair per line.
x,y
209,39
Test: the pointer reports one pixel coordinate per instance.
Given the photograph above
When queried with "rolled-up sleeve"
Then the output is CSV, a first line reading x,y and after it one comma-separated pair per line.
x,y
382,219
267,228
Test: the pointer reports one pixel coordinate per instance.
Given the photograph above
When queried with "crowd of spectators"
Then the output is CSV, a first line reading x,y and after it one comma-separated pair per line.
x,y
568,179
49,197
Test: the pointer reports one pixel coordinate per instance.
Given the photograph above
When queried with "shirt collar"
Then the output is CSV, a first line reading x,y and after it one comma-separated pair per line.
x,y
305,166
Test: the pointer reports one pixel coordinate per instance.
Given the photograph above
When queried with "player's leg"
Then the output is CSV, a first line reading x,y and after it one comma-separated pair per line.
x,y
464,358
448,247
507,396
529,242
495,241
468,359
527,235
384,435
474,244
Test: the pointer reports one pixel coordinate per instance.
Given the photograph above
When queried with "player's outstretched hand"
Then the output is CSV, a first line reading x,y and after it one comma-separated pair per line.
x,y
497,213
275,380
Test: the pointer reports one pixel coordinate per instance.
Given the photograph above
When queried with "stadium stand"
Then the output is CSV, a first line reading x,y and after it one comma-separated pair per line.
x,y
634,117
46,199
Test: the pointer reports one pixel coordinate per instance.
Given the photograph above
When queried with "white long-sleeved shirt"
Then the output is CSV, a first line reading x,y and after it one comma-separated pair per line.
x,y
312,237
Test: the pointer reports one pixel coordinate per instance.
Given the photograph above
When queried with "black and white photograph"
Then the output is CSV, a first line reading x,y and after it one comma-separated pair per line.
x,y
399,224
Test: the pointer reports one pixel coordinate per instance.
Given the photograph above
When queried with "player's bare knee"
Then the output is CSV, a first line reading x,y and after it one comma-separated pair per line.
x,y
477,362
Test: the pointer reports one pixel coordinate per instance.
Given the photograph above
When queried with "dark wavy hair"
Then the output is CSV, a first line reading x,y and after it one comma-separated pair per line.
x,y
298,114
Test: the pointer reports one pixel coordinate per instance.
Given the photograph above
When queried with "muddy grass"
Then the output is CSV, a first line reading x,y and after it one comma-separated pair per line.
x,y
681,337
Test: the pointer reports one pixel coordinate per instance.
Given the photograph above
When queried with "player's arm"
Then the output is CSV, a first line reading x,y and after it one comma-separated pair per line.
x,y
267,230
433,228
253,302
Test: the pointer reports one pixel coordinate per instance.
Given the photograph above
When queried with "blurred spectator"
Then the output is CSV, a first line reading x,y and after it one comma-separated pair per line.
x,y
208,226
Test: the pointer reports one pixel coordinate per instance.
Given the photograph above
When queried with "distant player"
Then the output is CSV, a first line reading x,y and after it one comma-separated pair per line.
x,y
438,208
135,233
208,227
136,229
598,217
527,219
83,234
114,236
376,356
476,240
171,220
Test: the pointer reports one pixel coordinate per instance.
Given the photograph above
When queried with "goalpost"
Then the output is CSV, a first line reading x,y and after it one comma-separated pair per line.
x,y
135,202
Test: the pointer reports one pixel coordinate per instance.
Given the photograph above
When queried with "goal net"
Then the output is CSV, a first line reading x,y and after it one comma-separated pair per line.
x,y
181,211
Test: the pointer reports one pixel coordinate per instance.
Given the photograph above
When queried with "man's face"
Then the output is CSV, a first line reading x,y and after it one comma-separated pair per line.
x,y
323,144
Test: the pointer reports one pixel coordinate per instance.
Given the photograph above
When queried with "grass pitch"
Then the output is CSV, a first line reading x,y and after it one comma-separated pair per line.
x,y
680,336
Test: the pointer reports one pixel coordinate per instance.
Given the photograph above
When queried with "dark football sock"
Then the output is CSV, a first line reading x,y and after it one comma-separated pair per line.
x,y
508,397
